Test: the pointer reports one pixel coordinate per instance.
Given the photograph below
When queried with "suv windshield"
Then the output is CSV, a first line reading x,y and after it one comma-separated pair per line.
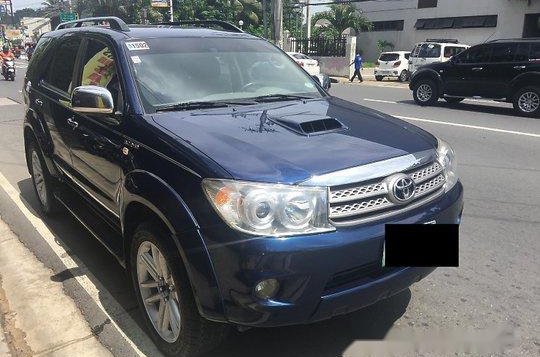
x,y
172,71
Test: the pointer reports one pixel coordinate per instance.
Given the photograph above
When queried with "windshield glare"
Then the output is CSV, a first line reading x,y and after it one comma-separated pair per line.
x,y
179,70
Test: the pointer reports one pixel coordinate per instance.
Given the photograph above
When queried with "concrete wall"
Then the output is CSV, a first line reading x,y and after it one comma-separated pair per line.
x,y
511,15
339,66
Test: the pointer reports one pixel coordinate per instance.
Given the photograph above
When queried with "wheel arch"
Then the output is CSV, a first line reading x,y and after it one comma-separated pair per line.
x,y
524,80
427,74
33,130
147,197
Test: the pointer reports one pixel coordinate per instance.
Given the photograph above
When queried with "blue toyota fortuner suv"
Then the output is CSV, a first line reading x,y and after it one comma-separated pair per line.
x,y
231,186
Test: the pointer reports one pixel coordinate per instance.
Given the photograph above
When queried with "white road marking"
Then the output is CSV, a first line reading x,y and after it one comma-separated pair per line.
x,y
85,280
379,101
485,128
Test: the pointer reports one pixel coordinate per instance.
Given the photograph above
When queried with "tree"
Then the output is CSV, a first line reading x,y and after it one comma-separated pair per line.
x,y
340,18
382,45
52,8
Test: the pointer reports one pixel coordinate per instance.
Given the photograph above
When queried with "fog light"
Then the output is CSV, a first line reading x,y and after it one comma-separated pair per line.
x,y
266,289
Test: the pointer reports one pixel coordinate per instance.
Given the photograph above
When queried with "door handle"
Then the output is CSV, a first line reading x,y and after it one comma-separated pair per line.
x,y
477,69
72,123
39,102
520,67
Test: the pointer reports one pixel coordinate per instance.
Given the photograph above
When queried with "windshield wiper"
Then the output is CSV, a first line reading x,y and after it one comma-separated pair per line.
x,y
191,105
278,97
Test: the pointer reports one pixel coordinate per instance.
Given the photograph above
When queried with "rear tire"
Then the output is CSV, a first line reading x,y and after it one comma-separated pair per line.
x,y
43,182
379,78
425,92
453,100
192,335
527,101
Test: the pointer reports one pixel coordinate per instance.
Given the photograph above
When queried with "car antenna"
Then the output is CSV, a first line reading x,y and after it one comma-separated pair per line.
x,y
489,37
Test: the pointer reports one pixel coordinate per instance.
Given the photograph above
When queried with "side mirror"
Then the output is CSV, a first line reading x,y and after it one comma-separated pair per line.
x,y
92,100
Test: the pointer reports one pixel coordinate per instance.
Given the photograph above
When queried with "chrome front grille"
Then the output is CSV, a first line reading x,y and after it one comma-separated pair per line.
x,y
359,203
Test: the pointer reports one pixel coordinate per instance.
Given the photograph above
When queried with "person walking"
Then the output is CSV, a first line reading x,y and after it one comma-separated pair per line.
x,y
357,67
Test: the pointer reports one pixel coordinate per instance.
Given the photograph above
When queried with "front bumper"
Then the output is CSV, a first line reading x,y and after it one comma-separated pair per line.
x,y
320,276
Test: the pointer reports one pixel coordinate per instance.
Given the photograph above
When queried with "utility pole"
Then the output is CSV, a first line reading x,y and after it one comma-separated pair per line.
x,y
278,22
171,7
265,17
308,20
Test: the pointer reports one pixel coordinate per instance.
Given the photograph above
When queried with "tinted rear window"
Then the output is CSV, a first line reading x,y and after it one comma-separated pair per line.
x,y
389,57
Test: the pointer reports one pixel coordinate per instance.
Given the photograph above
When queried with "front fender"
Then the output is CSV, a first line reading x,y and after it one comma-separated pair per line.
x,y
425,73
144,188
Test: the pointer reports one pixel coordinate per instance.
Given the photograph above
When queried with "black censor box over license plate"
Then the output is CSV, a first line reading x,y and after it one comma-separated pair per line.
x,y
421,245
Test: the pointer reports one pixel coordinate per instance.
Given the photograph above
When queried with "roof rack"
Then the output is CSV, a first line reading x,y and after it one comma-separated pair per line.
x,y
115,23
525,39
224,25
442,40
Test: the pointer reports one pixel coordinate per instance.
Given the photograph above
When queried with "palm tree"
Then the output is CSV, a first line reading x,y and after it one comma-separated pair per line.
x,y
340,18
52,8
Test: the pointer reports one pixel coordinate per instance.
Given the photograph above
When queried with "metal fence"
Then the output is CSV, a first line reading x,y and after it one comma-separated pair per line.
x,y
320,46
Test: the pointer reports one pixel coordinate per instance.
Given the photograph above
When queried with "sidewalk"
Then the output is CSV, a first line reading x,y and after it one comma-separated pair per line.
x,y
36,317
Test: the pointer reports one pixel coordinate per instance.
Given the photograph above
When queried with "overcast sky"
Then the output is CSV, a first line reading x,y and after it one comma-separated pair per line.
x,y
21,4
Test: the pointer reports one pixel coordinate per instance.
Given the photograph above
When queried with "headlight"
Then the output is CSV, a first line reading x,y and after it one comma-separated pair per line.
x,y
269,209
447,159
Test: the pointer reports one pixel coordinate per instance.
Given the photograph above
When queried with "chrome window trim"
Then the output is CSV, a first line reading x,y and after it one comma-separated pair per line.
x,y
373,170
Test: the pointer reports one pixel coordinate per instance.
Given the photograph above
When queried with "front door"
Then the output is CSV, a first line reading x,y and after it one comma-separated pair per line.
x,y
97,146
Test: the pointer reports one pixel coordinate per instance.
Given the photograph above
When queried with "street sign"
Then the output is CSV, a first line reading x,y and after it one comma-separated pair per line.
x,y
68,16
160,3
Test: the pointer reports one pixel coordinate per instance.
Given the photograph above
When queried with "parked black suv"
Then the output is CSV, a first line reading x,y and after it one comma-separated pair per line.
x,y
505,70
231,186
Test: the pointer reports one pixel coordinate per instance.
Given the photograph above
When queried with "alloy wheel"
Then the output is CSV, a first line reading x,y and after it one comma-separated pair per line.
x,y
39,178
158,291
529,102
424,92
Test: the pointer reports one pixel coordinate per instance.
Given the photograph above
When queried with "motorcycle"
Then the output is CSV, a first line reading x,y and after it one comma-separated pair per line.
x,y
8,70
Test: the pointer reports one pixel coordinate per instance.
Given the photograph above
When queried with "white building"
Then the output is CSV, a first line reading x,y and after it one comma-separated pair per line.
x,y
34,27
406,22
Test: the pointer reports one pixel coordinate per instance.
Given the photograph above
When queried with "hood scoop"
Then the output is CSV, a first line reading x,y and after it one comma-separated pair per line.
x,y
307,125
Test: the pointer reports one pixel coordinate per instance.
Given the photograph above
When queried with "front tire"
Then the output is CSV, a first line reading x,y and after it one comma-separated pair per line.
x,y
379,78
42,180
165,297
425,92
527,101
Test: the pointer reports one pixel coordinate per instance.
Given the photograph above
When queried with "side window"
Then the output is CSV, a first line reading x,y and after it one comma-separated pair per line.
x,y
451,51
34,64
98,68
477,54
503,52
407,55
60,72
430,50
534,55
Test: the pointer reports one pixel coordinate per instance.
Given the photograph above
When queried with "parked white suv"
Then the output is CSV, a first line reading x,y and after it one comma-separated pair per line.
x,y
432,51
393,64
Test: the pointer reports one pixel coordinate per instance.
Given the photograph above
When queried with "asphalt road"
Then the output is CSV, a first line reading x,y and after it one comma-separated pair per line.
x,y
495,290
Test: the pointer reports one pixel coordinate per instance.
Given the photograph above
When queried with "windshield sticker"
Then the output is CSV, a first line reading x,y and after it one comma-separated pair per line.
x,y
137,46
135,59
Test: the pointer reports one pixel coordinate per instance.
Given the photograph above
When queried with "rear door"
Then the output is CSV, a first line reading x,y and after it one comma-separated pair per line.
x,y
54,97
505,64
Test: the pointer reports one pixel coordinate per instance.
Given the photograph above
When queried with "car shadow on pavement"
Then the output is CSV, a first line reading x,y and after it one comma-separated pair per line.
x,y
325,339
472,107
329,338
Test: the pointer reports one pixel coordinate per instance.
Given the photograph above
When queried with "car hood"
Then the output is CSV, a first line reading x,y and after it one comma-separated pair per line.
x,y
263,143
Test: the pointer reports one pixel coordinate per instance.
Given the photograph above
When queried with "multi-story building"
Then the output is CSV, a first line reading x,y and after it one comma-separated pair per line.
x,y
406,22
